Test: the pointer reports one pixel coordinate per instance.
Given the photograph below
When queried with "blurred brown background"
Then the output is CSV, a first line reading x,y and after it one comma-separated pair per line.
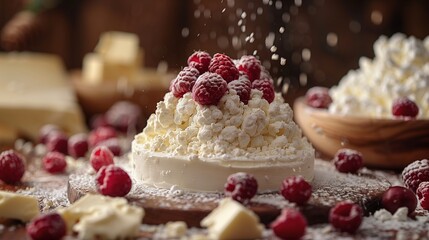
x,y
321,41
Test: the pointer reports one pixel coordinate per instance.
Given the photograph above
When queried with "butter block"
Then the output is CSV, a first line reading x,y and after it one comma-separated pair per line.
x,y
117,56
18,206
118,47
93,67
103,217
231,220
34,91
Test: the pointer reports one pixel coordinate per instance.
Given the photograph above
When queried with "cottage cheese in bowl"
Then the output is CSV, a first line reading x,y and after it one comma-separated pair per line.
x,y
400,68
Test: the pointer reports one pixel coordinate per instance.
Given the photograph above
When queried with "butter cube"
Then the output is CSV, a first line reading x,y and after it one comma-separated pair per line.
x,y
231,220
118,47
93,68
18,206
104,217
117,56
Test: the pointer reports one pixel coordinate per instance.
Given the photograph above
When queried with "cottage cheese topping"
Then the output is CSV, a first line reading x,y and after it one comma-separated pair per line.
x,y
185,142
400,68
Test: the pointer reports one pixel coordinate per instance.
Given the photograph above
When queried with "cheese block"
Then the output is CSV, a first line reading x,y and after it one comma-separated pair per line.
x,y
18,206
100,216
117,56
33,92
231,220
118,47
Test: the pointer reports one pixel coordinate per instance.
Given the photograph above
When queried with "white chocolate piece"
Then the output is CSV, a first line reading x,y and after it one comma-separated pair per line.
x,y
18,206
100,216
231,220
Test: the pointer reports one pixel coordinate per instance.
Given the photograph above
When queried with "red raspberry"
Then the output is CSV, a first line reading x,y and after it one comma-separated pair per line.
x,y
348,160
396,197
125,117
423,195
12,167
318,97
266,87
243,88
209,89
346,216
78,145
46,130
415,173
241,187
57,142
224,66
113,181
113,145
251,66
200,60
100,134
404,107
296,189
184,82
50,226
100,156
290,224
54,162
98,121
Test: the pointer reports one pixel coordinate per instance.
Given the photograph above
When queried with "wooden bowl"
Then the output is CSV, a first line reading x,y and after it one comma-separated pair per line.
x,y
146,92
384,143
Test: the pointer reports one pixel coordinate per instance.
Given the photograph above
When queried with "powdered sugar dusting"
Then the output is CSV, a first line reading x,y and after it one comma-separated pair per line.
x,y
333,186
329,187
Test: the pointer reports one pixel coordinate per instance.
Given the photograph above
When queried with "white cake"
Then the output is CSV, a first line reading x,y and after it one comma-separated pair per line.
x,y
192,147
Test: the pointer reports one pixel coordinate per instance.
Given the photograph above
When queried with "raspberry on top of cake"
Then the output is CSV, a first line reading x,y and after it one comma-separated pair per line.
x,y
221,116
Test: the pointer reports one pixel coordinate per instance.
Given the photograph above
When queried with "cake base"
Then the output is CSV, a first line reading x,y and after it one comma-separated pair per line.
x,y
329,187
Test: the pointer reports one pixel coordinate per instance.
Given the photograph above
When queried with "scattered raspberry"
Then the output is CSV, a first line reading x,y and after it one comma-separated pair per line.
x,y
100,134
113,181
46,130
12,167
423,195
209,89
78,145
100,156
296,189
57,142
98,121
54,162
346,216
184,81
200,60
404,107
415,173
125,117
348,160
290,224
224,66
396,197
318,97
241,187
251,66
243,88
113,145
266,87
50,226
